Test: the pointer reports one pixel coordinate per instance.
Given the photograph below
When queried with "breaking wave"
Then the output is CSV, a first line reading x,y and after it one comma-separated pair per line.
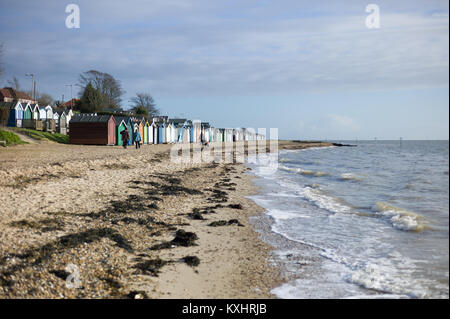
x,y
400,218
303,171
351,177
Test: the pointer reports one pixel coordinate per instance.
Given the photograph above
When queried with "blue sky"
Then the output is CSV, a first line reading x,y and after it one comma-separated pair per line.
x,y
314,70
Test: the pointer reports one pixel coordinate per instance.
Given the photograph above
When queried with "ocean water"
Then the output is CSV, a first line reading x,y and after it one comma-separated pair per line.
x,y
370,221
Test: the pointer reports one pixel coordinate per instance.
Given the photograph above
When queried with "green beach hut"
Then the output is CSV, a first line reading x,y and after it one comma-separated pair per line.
x,y
120,126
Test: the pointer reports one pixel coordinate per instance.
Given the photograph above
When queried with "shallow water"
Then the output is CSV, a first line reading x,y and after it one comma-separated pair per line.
x,y
376,215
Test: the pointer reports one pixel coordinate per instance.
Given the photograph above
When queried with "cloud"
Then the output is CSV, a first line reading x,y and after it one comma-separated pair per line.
x,y
203,48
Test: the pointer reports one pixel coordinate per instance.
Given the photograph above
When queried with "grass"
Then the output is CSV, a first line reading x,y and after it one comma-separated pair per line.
x,y
10,138
39,135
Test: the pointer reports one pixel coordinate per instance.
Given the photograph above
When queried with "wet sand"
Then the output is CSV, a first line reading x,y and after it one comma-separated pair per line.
x,y
133,223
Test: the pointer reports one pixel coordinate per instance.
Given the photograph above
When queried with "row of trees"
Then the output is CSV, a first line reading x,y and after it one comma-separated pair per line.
x,y
102,91
98,91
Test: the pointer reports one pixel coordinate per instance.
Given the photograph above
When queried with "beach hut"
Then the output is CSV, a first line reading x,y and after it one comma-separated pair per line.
x,y
169,127
150,133
129,124
42,113
62,124
46,115
196,131
204,132
27,112
141,130
15,114
138,126
161,133
145,135
120,126
69,114
176,128
35,110
92,129
31,118
56,119
155,129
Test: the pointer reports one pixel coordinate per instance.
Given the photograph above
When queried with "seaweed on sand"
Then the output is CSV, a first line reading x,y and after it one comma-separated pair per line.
x,y
43,253
196,214
225,223
44,224
192,261
182,238
151,266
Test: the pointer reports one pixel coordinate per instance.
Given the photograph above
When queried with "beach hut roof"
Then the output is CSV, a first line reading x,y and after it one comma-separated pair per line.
x,y
177,121
126,119
118,122
82,118
160,119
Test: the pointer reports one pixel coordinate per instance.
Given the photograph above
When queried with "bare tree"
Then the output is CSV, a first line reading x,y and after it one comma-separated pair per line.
x,y
14,83
143,103
110,88
45,99
42,98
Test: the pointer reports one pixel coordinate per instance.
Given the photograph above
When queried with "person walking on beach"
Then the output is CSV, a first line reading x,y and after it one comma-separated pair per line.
x,y
137,138
125,137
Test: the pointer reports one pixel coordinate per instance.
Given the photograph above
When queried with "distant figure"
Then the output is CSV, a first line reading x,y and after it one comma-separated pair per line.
x,y
125,137
137,139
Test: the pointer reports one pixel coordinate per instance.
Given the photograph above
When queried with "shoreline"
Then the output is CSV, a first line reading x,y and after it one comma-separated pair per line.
x,y
105,209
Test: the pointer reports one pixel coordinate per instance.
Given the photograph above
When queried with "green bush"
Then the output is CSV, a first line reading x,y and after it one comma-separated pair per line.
x,y
10,138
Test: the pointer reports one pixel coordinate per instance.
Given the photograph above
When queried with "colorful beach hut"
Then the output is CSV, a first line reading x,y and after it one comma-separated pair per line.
x,y
161,133
145,135
27,112
120,126
15,114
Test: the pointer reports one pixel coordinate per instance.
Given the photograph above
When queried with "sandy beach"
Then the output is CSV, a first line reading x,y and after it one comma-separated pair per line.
x,y
131,222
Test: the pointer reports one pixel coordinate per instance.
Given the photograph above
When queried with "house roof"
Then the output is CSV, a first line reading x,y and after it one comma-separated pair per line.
x,y
8,92
68,103
89,118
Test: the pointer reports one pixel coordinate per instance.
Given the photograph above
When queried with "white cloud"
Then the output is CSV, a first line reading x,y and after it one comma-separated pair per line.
x,y
181,48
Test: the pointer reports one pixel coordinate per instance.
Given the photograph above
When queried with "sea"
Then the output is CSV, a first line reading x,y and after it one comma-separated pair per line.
x,y
370,221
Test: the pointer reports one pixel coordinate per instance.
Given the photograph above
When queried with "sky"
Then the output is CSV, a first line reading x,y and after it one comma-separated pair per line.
x,y
312,69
